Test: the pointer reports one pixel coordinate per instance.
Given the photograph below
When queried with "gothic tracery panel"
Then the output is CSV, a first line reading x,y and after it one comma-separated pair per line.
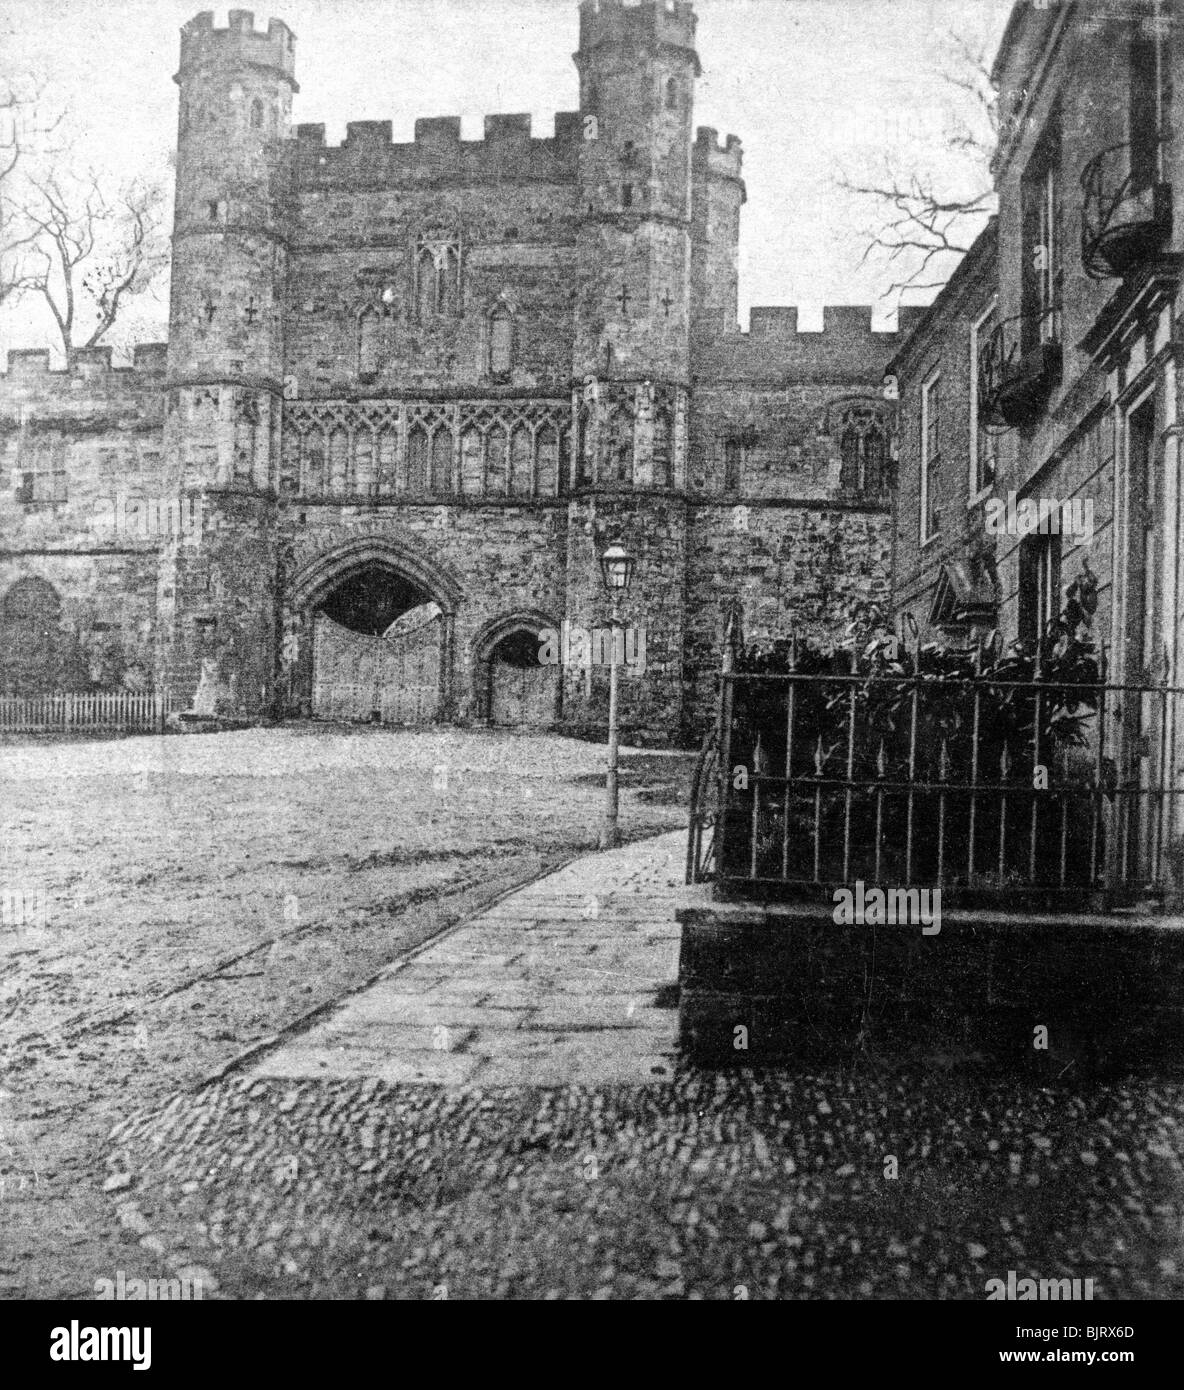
x,y
487,448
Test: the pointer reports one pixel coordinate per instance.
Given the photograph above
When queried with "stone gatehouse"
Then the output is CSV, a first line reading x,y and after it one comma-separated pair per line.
x,y
411,392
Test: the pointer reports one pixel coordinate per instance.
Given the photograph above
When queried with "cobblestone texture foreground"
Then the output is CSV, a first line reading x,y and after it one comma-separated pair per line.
x,y
692,1188
361,1160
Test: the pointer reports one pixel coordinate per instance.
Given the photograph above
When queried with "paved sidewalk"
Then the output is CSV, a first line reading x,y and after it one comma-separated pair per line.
x,y
553,986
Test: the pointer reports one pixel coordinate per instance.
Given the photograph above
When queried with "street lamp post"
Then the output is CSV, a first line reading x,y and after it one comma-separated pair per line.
x,y
616,568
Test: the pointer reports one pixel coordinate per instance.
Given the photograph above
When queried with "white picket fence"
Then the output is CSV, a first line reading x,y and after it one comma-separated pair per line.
x,y
104,709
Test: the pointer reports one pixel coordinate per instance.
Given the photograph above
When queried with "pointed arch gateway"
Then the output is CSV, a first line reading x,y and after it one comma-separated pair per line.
x,y
369,634
512,687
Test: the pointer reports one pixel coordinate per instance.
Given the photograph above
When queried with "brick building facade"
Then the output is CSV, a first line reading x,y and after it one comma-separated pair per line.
x,y
1045,371
412,392
1039,417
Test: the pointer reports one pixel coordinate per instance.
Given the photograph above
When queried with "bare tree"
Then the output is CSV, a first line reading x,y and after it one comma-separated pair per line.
x,y
26,127
89,253
922,225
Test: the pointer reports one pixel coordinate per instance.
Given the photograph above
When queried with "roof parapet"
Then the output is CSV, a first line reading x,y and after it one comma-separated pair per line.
x,y
238,43
437,131
26,364
507,127
670,22
724,160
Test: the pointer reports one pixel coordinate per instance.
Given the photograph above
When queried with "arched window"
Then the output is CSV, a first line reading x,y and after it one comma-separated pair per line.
x,y
521,461
257,114
369,345
850,450
314,465
663,432
246,434
442,462
339,463
417,460
471,479
501,343
672,94
620,446
365,483
495,461
863,451
388,452
448,273
583,446
875,460
550,461
425,285
437,278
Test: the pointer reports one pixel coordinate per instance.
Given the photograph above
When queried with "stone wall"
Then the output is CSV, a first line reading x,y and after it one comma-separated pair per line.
x,y
799,987
787,436
358,240
802,569
656,533
84,512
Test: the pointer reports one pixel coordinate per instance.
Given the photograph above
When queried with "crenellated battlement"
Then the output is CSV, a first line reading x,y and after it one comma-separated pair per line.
x,y
650,22
718,159
202,45
369,155
847,346
90,364
91,396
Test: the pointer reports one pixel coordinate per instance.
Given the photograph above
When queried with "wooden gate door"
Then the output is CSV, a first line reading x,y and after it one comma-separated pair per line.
x,y
522,694
397,675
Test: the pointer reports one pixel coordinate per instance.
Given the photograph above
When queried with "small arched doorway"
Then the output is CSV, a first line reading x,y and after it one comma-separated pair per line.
x,y
520,690
32,642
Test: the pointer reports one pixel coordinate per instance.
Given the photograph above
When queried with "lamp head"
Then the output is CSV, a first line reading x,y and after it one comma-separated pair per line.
x,y
616,568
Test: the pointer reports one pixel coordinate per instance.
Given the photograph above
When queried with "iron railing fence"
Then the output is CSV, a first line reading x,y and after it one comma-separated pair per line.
x,y
1053,792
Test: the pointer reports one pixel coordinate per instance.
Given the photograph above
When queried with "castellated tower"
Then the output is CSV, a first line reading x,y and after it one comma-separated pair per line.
x,y
226,355
631,359
637,66
718,194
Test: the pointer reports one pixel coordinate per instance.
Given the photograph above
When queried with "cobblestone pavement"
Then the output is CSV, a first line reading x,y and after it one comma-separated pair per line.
x,y
557,1149
205,893
559,983
705,1186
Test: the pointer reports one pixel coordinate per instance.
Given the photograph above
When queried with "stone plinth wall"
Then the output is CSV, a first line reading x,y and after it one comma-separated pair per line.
x,y
1108,991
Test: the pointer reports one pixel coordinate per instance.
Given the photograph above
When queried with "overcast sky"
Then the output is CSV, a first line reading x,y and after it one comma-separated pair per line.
x,y
814,88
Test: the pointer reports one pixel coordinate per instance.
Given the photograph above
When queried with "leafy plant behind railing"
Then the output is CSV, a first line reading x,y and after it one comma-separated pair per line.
x,y
985,719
